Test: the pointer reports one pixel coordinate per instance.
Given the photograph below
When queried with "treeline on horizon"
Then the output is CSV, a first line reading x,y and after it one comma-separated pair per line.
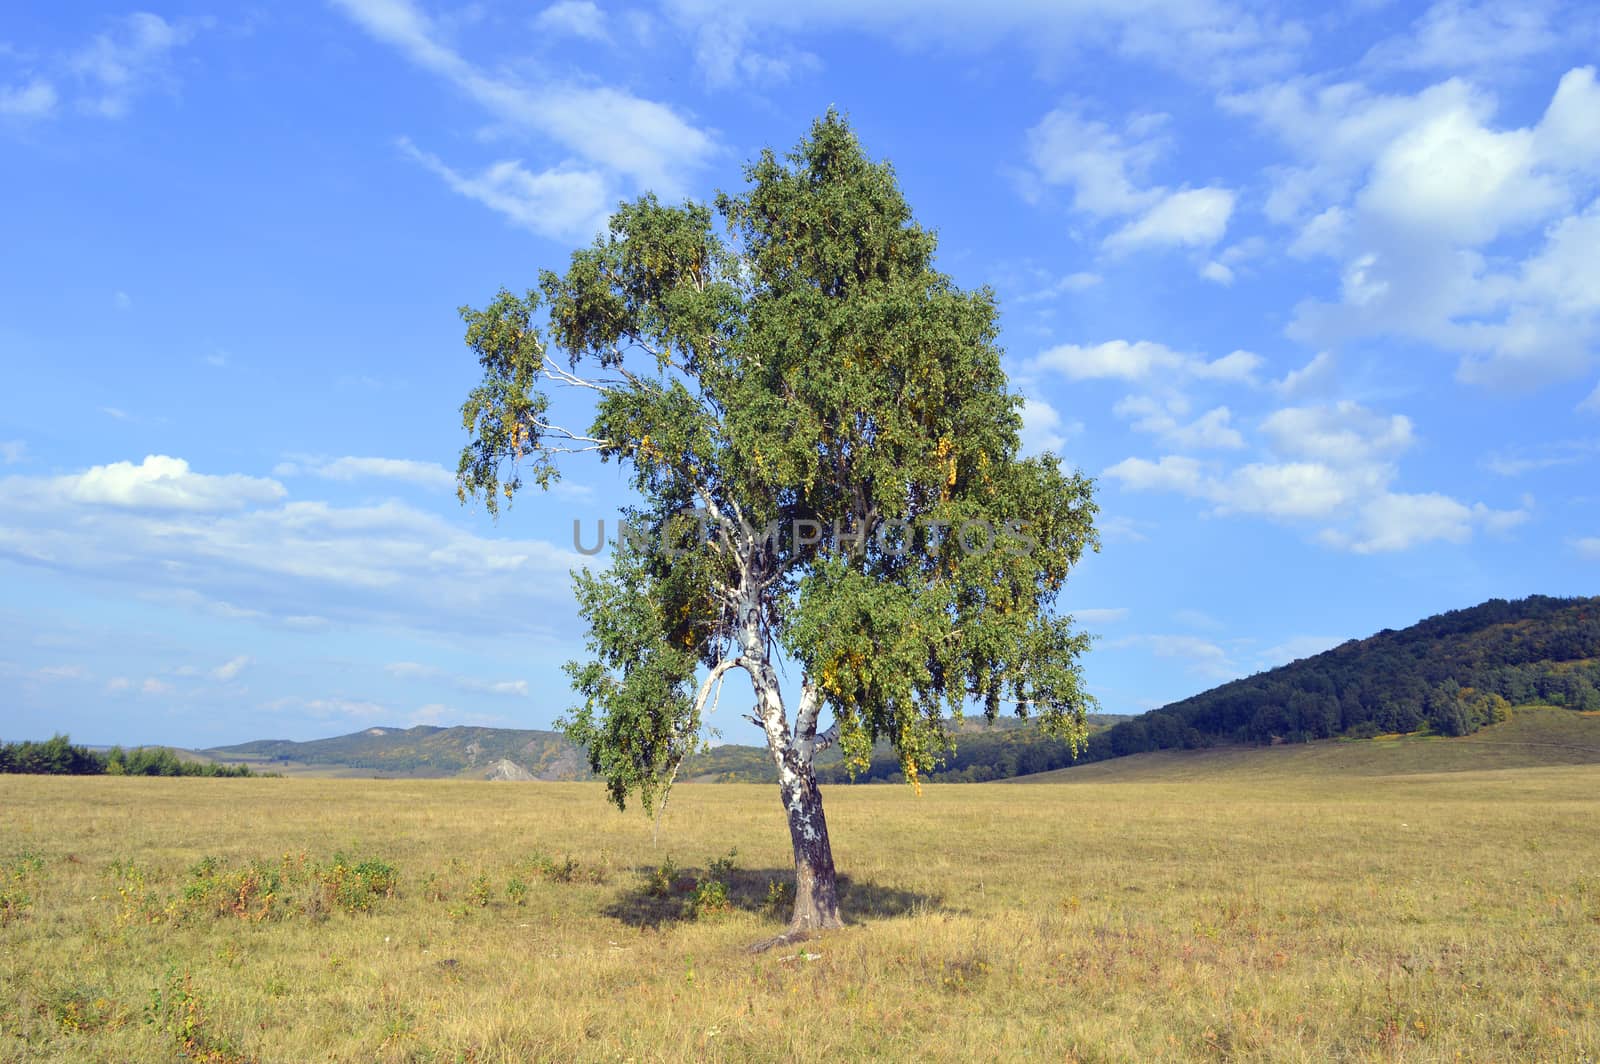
x,y
58,756
1448,675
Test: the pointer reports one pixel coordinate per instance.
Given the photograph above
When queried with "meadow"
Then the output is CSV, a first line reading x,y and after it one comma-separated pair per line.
x,y
1323,915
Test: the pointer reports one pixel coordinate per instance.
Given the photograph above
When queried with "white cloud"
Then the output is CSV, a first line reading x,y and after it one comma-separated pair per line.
x,y
1108,172
1342,433
1336,470
1217,273
1043,428
726,56
1121,360
551,203
157,483
36,99
425,474
153,686
230,670
1212,40
1105,168
1588,547
1192,218
575,18
1309,379
1424,201
647,141
13,451
1204,656
1393,522
1211,430
122,301
1101,616
230,545
1459,34
1591,404
119,65
1169,473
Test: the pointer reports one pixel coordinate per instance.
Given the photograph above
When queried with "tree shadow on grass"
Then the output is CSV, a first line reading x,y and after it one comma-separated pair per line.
x,y
654,903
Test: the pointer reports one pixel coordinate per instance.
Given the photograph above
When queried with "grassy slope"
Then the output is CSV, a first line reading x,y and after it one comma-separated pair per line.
x,y
1357,917
1533,736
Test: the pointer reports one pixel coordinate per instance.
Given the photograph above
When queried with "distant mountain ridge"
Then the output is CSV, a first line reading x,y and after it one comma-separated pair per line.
x,y
1450,675
425,751
1006,748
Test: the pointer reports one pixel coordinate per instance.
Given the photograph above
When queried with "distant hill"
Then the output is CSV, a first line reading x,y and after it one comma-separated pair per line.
x,y
420,752
1448,675
425,752
1533,736
984,751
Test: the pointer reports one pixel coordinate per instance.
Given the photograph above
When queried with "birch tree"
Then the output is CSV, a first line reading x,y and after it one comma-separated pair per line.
x,y
825,453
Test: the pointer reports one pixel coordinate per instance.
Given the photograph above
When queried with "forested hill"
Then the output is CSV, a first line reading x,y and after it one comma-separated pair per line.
x,y
1449,674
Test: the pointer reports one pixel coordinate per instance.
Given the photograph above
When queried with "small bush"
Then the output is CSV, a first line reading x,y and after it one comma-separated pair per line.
x,y
481,892
357,887
516,891
710,898
661,879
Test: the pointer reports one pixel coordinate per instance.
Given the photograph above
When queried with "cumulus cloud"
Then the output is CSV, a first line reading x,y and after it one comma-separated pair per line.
x,y
1163,419
36,98
231,545
157,483
552,203
1342,433
1313,377
1461,34
1142,359
1335,468
1043,428
1588,547
1423,201
574,18
348,468
1191,218
1108,172
645,140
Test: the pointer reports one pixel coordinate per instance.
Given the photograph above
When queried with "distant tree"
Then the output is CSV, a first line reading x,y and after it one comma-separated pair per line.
x,y
826,451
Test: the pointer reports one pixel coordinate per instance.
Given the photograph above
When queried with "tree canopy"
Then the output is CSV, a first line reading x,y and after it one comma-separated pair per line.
x,y
825,451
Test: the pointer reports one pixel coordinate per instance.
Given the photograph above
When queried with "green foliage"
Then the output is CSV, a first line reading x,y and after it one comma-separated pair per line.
x,y
662,879
357,886
790,362
516,891
710,896
177,1009
1450,674
58,756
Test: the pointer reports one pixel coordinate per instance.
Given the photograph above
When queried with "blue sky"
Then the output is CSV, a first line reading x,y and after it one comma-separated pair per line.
x,y
1313,295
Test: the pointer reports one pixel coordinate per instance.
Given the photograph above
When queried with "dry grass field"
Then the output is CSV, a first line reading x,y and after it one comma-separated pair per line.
x,y
1320,916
